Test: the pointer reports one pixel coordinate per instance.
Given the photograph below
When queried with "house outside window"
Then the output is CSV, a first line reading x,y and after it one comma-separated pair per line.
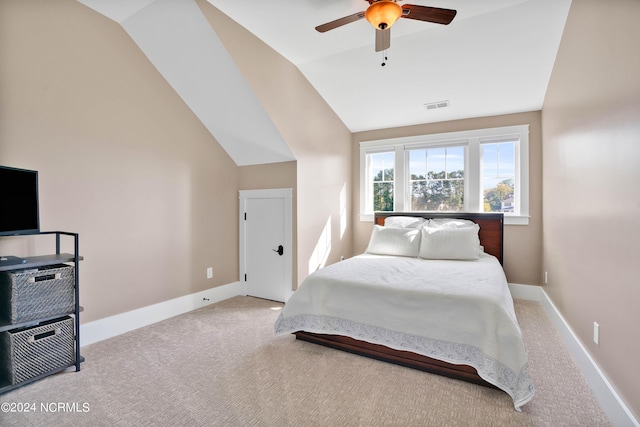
x,y
484,170
507,205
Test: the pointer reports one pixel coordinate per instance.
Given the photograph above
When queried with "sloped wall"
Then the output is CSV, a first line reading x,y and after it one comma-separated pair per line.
x,y
319,140
122,160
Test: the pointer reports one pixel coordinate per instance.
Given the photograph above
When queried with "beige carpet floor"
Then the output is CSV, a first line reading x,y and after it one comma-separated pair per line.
x,y
222,366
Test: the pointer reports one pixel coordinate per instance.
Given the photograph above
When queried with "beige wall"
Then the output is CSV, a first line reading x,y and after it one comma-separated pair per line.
x,y
122,161
319,140
522,243
127,165
591,134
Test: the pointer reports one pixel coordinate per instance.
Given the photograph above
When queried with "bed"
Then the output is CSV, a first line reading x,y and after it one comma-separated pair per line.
x,y
429,293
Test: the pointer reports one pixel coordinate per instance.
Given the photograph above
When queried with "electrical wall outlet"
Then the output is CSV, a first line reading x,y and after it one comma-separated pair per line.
x,y
596,333
546,277
209,272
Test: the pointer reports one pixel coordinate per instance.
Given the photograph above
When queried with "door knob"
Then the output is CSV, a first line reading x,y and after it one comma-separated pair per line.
x,y
280,250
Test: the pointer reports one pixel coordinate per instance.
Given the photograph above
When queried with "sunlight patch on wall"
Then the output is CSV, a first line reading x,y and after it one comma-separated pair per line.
x,y
321,251
343,210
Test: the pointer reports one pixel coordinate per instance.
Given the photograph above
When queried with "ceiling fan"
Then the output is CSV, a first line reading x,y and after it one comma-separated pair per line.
x,y
382,14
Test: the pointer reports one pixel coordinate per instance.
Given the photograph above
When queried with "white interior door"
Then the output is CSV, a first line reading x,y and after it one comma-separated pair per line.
x,y
265,248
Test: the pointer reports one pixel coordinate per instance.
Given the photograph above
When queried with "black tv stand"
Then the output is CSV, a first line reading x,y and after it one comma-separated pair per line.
x,y
39,261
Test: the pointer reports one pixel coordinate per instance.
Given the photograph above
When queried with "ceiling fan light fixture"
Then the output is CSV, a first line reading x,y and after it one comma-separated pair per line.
x,y
383,14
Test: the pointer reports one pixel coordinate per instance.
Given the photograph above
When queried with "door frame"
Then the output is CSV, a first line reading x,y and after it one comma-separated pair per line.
x,y
275,193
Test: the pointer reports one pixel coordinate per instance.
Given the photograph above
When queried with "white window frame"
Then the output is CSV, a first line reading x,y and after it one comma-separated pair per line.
x,y
472,185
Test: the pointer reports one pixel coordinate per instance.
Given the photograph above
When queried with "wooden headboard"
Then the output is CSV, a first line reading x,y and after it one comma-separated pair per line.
x,y
491,226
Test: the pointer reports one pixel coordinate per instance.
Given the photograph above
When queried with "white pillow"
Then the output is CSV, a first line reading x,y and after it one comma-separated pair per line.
x,y
450,223
460,243
394,241
404,221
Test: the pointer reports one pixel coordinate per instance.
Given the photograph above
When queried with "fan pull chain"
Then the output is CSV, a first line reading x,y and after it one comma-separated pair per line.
x,y
384,58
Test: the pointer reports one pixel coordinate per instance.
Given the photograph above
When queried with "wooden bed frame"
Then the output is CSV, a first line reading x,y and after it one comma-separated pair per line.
x,y
491,238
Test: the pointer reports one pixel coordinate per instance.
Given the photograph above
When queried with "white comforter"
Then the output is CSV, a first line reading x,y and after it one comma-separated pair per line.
x,y
460,312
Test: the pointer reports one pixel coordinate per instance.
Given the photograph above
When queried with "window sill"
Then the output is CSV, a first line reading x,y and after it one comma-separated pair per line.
x,y
516,220
508,220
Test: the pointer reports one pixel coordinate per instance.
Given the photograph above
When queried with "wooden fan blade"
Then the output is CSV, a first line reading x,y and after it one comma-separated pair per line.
x,y
428,14
340,22
383,39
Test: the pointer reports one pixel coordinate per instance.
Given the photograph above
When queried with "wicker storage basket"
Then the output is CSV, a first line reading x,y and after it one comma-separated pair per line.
x,y
38,293
29,352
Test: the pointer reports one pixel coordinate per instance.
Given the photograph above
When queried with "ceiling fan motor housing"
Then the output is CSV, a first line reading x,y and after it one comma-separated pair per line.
x,y
383,13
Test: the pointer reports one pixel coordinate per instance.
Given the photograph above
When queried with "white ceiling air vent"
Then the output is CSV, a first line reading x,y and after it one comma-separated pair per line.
x,y
437,105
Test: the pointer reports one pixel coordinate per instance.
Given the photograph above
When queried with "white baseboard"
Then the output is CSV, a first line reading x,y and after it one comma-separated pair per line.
x,y
108,327
611,403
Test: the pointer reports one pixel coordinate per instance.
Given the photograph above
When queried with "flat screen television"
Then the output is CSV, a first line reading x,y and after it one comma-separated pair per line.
x,y
19,208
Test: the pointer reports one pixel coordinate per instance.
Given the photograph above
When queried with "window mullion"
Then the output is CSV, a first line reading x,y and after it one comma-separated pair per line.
x,y
400,192
521,179
472,189
366,195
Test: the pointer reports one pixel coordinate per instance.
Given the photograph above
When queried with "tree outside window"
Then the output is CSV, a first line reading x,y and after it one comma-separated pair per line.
x,y
382,168
437,179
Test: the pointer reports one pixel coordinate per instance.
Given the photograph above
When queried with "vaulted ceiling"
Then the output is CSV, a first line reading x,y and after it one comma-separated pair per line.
x,y
496,57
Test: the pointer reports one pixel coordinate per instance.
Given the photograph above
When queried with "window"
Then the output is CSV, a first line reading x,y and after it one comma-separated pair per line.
x,y
498,176
436,179
380,178
473,171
